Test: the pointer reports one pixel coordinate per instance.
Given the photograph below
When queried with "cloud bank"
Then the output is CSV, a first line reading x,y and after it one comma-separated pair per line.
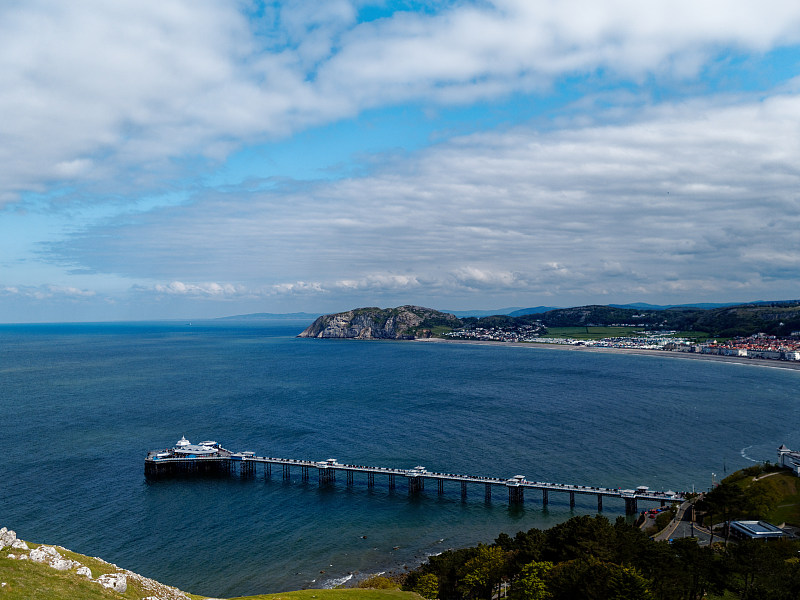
x,y
116,97
685,199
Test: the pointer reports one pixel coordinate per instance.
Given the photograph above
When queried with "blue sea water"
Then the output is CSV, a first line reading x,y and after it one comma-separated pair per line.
x,y
81,404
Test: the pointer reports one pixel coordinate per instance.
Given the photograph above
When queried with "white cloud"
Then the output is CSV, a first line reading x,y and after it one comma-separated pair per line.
x,y
109,94
698,192
487,278
209,289
45,292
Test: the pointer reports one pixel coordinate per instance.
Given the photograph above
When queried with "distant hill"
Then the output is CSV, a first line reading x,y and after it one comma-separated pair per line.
x,y
772,318
703,305
485,313
536,310
271,317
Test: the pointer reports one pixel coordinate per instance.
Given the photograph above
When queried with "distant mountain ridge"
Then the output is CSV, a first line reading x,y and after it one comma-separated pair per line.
x,y
536,310
637,305
270,316
780,318
484,313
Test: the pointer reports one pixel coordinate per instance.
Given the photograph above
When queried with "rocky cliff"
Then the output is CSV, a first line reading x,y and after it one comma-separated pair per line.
x,y
401,323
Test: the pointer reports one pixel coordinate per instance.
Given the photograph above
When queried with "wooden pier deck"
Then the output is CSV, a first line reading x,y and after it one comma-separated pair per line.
x,y
171,462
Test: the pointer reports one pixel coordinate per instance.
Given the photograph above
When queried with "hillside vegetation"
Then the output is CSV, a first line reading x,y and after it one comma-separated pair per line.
x,y
766,492
591,558
337,594
777,318
27,579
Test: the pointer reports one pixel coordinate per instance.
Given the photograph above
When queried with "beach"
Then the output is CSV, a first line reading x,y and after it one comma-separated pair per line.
x,y
753,362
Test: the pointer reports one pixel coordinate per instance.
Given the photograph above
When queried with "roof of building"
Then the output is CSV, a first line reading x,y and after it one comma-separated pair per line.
x,y
757,529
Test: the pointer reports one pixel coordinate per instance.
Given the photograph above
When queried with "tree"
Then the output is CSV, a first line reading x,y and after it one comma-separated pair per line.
x,y
592,579
580,537
447,568
427,586
532,582
482,573
626,583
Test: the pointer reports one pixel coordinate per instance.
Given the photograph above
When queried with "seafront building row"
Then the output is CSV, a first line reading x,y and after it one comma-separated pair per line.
x,y
758,346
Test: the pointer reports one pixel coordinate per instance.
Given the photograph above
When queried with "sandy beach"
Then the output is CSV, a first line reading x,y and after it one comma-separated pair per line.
x,y
752,362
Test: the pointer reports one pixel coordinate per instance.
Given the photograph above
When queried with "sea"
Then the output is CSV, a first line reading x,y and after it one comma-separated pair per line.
x,y
81,404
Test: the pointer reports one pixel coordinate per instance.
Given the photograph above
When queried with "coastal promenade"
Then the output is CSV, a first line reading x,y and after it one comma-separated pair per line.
x,y
211,458
753,362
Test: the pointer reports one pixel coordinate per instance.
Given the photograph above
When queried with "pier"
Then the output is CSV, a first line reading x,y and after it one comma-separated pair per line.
x,y
210,458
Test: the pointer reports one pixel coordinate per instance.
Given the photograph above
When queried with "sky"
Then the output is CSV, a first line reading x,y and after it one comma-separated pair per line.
x,y
187,159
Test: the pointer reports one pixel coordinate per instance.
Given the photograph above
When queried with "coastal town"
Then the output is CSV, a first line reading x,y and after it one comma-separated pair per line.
x,y
758,346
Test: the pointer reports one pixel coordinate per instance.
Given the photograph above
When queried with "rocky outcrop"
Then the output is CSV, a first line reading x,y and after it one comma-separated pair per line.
x,y
116,581
7,537
401,323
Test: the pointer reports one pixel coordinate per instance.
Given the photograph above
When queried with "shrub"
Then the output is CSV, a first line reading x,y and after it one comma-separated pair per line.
x,y
377,582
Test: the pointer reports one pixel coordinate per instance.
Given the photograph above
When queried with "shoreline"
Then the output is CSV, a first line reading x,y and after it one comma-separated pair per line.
x,y
754,362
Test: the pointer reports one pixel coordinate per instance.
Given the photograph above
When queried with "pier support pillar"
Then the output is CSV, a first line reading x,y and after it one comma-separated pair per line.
x,y
414,485
663,503
391,481
267,471
304,473
440,486
325,475
370,480
287,474
349,478
463,491
599,503
572,499
631,507
544,499
488,493
516,494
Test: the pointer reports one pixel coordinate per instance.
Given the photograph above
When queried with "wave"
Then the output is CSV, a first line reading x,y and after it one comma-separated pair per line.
x,y
743,452
336,582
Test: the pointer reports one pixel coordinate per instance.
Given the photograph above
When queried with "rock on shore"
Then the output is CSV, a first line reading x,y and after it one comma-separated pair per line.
x,y
117,581
401,323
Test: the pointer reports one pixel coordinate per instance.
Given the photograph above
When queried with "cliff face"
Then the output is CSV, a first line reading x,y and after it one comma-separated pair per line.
x,y
402,323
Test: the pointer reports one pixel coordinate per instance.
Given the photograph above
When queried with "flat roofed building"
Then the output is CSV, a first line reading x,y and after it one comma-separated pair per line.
x,y
755,530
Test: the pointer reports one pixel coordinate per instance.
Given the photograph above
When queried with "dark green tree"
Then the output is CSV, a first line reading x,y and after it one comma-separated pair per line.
x,y
481,575
532,582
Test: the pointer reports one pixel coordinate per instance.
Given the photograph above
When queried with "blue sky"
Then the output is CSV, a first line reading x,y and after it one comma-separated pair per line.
x,y
189,159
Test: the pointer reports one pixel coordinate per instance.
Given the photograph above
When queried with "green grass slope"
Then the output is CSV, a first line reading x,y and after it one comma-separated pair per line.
x,y
337,594
29,580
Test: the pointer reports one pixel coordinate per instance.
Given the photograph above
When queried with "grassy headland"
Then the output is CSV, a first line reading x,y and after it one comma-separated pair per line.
x,y
30,580
337,594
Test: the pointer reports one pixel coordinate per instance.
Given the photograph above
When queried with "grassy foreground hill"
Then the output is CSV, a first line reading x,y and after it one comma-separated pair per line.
x,y
337,594
26,579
